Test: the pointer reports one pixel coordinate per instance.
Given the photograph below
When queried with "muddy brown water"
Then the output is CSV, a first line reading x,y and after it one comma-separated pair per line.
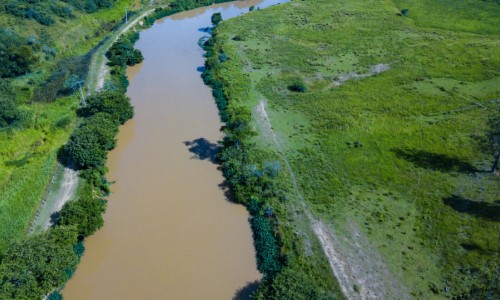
x,y
169,231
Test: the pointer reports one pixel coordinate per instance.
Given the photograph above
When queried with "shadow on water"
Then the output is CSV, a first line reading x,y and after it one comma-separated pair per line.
x,y
205,29
201,69
485,210
434,161
245,292
203,149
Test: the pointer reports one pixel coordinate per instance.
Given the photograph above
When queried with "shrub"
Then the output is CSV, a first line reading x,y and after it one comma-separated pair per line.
x,y
266,246
116,104
122,53
216,19
84,213
38,264
90,142
297,87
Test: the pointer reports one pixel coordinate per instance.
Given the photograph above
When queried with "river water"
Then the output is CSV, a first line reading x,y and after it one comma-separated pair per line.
x,y
169,231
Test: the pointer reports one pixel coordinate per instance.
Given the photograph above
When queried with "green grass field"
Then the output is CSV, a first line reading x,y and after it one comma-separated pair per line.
x,y
396,152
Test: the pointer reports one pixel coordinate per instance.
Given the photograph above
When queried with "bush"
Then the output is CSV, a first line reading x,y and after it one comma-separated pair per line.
x,y
216,19
38,264
116,104
122,53
297,87
266,246
9,112
90,142
84,213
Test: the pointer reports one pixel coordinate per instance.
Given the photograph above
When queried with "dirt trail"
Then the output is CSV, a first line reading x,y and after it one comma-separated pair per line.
x,y
374,70
59,195
360,271
103,68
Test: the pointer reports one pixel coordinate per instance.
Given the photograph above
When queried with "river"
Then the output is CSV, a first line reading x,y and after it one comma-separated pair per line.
x,y
170,232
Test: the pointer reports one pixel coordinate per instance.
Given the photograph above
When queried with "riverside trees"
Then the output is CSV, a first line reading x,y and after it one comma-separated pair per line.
x,y
90,142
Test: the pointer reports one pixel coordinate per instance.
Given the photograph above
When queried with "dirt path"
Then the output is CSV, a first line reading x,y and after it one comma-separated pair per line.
x,y
374,70
68,184
360,271
103,68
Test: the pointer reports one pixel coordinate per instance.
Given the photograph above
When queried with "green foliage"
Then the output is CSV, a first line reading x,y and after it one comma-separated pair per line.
x,y
405,12
90,142
84,213
216,19
38,264
46,12
9,110
122,52
394,152
16,56
90,6
266,246
116,104
55,296
292,284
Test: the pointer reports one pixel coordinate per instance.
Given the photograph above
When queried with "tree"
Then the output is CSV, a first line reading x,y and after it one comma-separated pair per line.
x,y
216,19
90,142
85,213
116,104
35,266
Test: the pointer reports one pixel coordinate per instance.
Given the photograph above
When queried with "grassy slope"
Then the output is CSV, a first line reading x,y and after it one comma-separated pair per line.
x,y
28,154
415,187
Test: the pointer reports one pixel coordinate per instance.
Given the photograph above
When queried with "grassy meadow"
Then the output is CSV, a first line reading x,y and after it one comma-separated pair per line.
x,y
396,152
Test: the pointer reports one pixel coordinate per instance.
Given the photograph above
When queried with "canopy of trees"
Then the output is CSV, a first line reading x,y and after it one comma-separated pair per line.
x,y
38,264
84,213
88,145
90,142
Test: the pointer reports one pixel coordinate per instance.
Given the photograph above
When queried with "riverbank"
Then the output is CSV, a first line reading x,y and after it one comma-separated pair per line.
x,y
183,214
389,162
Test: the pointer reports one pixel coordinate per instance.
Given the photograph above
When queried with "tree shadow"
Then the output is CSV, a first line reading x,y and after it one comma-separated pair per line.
x,y
55,217
485,210
203,149
245,293
18,162
434,161
201,69
205,29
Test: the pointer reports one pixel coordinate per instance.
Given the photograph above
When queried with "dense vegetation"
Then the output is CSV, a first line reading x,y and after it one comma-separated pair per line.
x,y
122,52
253,182
381,118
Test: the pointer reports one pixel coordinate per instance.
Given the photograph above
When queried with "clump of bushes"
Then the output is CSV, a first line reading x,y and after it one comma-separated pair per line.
x,y
84,213
297,87
266,246
88,145
117,105
122,53
38,264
